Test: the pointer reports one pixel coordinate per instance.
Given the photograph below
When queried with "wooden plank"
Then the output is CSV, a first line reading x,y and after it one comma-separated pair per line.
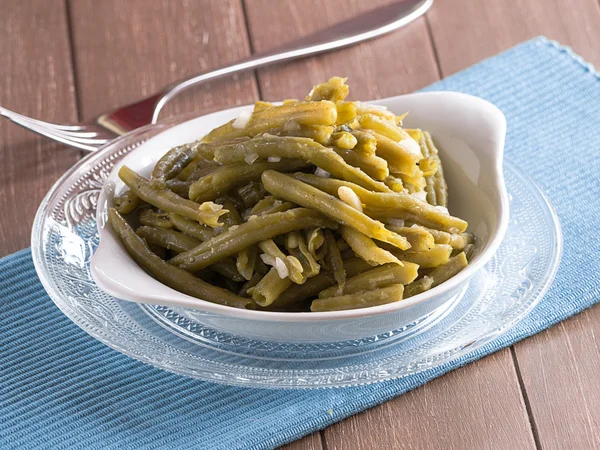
x,y
465,32
127,50
476,407
455,406
36,81
395,64
311,442
559,367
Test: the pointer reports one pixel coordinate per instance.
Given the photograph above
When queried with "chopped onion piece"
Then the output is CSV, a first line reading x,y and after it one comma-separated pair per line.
x,y
281,268
274,158
250,158
443,209
396,222
322,173
411,146
242,120
349,197
421,195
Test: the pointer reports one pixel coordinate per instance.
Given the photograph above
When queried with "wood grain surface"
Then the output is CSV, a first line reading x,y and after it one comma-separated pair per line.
x,y
63,60
36,80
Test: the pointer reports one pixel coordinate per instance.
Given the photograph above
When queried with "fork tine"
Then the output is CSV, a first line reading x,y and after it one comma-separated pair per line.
x,y
52,134
10,114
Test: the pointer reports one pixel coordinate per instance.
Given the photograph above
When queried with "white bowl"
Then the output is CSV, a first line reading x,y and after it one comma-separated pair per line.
x,y
470,134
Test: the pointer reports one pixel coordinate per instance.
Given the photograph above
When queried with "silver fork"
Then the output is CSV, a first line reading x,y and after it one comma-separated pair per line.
x,y
96,132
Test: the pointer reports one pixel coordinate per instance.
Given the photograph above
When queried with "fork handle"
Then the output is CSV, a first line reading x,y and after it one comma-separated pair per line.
x,y
357,29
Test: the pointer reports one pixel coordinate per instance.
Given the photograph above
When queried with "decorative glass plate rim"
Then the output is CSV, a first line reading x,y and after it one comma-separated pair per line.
x,y
252,376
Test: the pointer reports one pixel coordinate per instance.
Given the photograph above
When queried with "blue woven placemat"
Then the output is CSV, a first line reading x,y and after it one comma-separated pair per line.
x,y
59,388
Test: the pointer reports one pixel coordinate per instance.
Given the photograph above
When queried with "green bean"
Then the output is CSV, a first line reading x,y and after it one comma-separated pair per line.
x,y
269,288
316,241
436,256
374,166
429,183
391,205
271,255
308,150
366,143
334,90
305,195
172,163
245,262
384,127
379,277
189,169
299,292
159,251
395,184
346,112
169,201
164,272
250,284
269,205
179,243
365,248
334,260
248,233
400,160
419,238
297,247
437,276
227,178
252,193
344,140
127,202
154,219
191,228
468,250
233,216
181,188
366,299
457,241
319,133
439,182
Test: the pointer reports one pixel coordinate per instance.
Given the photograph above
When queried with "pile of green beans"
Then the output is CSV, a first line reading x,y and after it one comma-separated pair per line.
x,y
314,205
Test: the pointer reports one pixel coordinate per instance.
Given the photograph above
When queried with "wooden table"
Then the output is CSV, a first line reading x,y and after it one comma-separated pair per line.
x,y
69,60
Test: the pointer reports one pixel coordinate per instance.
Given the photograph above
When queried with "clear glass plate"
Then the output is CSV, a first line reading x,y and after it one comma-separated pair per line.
x,y
498,297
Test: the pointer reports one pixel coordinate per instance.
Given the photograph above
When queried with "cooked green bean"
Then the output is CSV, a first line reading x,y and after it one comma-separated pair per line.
x,y
391,205
365,248
164,272
127,202
179,243
382,126
438,275
320,133
374,166
252,193
250,284
419,238
399,157
172,163
248,233
346,112
191,228
181,188
334,90
457,241
395,184
316,241
227,178
376,278
168,201
269,288
298,292
272,256
345,140
429,183
297,247
366,143
334,260
245,262
439,182
305,195
267,145
437,255
191,167
154,219
366,299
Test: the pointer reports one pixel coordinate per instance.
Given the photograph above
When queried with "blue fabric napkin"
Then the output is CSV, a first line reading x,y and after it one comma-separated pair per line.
x,y
59,388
